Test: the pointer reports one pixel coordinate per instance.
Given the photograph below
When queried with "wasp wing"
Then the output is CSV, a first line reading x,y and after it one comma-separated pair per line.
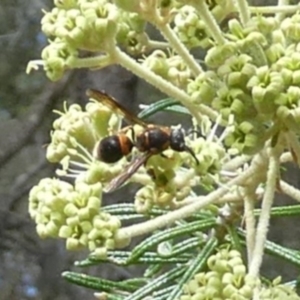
x,y
127,173
111,103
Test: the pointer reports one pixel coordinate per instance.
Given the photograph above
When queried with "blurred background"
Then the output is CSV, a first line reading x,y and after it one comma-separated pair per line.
x,y
31,268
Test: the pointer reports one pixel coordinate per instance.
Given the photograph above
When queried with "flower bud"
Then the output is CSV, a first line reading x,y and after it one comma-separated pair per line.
x,y
109,244
239,270
157,62
246,291
100,252
41,231
216,56
291,29
73,221
191,287
235,261
65,232
70,210
274,52
235,28
84,213
73,244
227,278
203,88
229,291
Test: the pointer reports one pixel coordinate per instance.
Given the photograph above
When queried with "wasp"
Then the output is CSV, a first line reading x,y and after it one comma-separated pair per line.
x,y
153,139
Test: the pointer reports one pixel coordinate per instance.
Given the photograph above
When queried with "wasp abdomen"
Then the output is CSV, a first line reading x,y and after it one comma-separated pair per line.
x,y
113,148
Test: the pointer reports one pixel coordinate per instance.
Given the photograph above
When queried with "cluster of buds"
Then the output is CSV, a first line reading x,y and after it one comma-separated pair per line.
x,y
192,29
171,68
72,213
256,79
227,278
131,33
74,26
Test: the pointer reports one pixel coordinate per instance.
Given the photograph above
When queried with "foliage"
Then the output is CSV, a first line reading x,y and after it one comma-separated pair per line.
x,y
248,85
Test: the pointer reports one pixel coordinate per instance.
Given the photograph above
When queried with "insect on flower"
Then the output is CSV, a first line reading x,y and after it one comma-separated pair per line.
x,y
153,139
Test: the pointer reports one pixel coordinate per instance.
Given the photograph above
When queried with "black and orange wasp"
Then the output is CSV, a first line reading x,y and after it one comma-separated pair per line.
x,y
153,139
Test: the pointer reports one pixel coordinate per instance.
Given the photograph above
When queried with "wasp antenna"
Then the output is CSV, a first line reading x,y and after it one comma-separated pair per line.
x,y
188,149
195,131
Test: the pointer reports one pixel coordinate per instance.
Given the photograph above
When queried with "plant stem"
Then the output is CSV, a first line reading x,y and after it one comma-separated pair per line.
x,y
228,198
162,84
179,47
99,61
249,201
244,11
236,163
186,211
281,3
290,190
263,223
284,9
183,179
212,26
294,144
157,45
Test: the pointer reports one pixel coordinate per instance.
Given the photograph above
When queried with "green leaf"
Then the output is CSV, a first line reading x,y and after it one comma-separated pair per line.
x,y
194,267
156,284
234,238
282,211
119,209
129,208
185,246
121,258
152,270
163,293
164,104
288,254
274,249
96,283
189,228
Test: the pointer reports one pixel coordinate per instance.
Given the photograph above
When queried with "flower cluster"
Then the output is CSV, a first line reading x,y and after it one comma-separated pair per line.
x,y
72,213
227,278
73,26
190,28
171,68
255,78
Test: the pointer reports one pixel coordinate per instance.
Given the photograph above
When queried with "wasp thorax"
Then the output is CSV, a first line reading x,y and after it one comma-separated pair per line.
x,y
153,139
